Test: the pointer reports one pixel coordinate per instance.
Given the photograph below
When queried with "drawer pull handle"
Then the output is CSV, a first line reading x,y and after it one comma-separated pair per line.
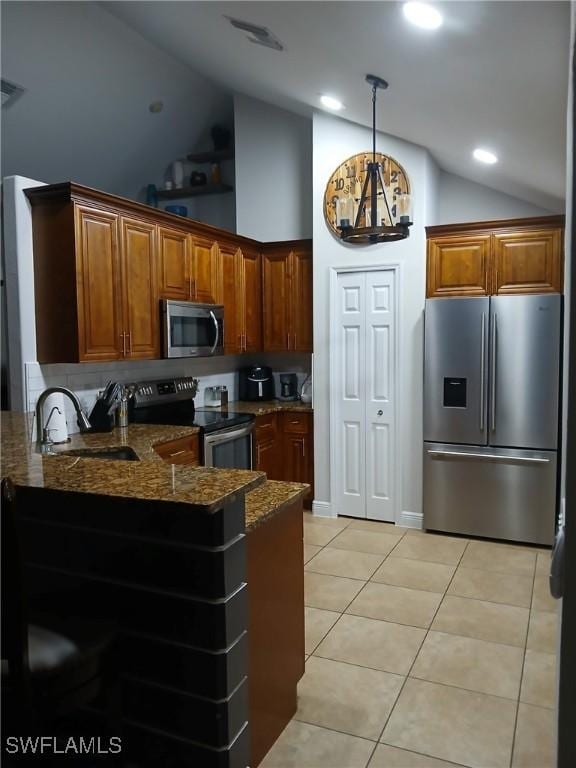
x,y
294,422
177,453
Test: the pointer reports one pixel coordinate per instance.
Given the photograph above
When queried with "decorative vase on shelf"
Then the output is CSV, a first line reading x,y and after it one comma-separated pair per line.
x,y
178,174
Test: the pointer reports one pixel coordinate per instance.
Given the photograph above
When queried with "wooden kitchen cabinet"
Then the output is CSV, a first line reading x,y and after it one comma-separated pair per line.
x,y
241,296
459,266
185,450
204,270
140,290
287,297
174,267
528,262
269,446
495,257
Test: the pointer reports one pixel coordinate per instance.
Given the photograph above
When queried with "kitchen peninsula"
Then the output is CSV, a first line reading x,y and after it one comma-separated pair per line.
x,y
184,561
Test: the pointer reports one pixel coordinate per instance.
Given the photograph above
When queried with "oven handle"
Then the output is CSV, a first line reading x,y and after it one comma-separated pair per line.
x,y
225,435
213,316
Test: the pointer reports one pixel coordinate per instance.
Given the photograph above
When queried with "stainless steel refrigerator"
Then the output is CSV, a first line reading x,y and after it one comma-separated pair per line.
x,y
491,411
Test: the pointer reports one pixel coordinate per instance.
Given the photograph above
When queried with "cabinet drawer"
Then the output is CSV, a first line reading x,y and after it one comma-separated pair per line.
x,y
266,427
182,451
296,423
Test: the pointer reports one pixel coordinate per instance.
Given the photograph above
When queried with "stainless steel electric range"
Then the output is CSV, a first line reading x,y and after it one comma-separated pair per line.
x,y
226,438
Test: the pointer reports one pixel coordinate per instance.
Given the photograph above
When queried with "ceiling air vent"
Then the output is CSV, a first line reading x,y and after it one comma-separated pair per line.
x,y
10,92
260,35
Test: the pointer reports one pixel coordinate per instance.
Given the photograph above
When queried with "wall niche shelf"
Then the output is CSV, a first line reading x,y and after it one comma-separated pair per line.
x,y
215,156
203,189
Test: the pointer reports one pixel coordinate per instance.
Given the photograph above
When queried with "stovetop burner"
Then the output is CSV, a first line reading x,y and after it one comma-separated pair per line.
x,y
169,401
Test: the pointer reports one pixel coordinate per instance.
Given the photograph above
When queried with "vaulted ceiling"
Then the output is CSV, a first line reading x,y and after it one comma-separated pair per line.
x,y
494,75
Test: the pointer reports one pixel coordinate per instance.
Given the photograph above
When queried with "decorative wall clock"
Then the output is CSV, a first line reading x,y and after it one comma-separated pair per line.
x,y
344,190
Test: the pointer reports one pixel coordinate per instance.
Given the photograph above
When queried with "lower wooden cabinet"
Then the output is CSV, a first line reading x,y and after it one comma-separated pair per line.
x,y
285,448
185,450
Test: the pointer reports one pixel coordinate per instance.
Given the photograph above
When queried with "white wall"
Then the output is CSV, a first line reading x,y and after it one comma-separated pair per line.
x,y
334,140
273,171
89,81
461,200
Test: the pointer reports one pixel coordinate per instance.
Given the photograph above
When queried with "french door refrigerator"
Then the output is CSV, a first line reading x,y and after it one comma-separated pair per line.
x,y
491,409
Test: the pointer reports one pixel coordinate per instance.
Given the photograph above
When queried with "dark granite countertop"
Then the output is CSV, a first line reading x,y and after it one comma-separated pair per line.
x,y
150,478
269,499
264,407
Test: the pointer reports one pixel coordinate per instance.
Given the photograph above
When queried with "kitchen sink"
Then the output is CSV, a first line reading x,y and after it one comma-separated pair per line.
x,y
118,453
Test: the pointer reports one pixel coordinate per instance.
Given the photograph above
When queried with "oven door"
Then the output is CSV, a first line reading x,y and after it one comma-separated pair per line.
x,y
192,330
230,448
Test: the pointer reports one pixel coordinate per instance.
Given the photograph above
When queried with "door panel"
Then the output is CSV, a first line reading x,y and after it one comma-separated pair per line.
x,y
348,391
528,262
174,248
379,394
141,305
277,300
204,271
252,301
302,302
458,265
99,285
494,492
524,379
456,370
230,298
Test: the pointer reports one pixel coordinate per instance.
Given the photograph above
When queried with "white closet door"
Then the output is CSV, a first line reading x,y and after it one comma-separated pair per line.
x,y
364,400
380,397
349,432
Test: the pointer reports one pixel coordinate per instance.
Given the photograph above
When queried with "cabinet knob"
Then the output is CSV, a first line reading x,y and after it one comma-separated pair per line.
x,y
380,413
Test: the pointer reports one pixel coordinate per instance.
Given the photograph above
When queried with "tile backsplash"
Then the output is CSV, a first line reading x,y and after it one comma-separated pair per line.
x,y
87,379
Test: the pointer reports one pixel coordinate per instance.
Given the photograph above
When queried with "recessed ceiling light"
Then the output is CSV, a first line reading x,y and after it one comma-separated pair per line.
x,y
330,102
422,15
484,156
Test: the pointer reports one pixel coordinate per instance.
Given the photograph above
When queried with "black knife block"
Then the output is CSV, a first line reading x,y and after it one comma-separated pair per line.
x,y
100,419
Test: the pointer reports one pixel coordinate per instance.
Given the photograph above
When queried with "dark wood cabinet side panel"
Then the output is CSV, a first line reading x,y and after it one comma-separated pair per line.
x,y
55,283
275,625
302,301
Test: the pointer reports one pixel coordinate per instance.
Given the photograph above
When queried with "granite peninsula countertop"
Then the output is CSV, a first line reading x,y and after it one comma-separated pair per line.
x,y
149,478
264,407
270,498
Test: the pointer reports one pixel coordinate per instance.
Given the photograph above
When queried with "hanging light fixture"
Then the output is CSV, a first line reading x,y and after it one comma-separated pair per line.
x,y
373,201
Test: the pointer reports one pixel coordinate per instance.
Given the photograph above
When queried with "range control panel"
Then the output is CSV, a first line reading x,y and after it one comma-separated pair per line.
x,y
165,390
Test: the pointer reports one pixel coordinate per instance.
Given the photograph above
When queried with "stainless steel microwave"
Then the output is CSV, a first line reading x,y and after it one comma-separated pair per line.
x,y
192,330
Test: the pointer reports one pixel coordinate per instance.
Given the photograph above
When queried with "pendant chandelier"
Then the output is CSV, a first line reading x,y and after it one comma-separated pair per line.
x,y
373,207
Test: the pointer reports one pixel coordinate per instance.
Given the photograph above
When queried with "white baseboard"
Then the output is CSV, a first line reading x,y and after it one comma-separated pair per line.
x,y
322,509
411,520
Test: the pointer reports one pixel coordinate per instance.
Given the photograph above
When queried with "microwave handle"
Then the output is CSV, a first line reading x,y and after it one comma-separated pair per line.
x,y
213,316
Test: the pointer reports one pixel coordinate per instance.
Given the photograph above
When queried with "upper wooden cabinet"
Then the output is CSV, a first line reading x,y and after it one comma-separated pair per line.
x,y
102,264
499,257
287,297
528,262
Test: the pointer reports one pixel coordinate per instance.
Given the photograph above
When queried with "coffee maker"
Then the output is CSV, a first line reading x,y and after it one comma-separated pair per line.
x,y
256,383
288,386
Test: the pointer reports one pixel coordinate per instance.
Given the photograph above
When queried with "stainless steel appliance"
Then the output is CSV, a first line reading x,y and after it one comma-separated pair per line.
x,y
226,438
491,411
192,330
288,386
256,383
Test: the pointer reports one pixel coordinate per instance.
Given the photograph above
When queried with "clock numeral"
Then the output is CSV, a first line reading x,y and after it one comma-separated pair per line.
x,y
397,191
350,171
339,184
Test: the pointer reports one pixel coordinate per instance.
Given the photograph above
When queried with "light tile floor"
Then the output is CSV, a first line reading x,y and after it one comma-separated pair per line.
x,y
423,651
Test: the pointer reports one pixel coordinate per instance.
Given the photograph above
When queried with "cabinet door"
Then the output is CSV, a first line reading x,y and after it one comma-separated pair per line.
x,y
100,327
229,297
251,301
140,284
269,458
459,265
301,304
297,460
277,298
528,262
175,278
204,283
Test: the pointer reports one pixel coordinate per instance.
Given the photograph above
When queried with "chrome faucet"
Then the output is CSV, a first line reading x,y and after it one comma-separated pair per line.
x,y
42,431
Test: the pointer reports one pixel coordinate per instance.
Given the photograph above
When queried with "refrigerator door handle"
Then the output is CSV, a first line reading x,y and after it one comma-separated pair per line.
x,y
490,457
482,369
493,387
